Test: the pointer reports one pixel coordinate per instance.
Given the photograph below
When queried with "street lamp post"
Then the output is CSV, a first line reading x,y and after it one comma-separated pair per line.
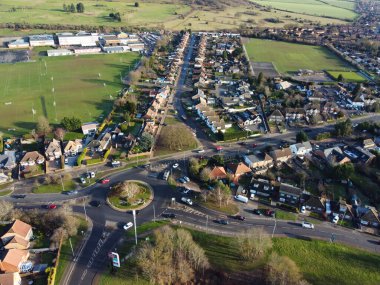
x,y
275,224
63,187
134,222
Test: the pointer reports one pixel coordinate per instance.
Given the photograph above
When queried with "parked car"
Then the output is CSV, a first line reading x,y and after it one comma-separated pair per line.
x,y
270,213
168,215
105,181
187,179
83,180
175,165
183,181
127,226
92,174
303,209
335,219
186,191
73,192
66,160
254,145
257,212
307,225
187,201
19,196
201,151
52,206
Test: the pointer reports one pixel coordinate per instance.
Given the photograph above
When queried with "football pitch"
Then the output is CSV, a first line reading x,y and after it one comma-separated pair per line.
x,y
83,86
290,57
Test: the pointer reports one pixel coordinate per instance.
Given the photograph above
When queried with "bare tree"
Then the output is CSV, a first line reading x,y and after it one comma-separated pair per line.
x,y
43,126
205,174
5,209
59,134
253,243
173,257
281,270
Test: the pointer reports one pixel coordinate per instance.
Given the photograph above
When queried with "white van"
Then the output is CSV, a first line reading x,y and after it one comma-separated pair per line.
x,y
241,198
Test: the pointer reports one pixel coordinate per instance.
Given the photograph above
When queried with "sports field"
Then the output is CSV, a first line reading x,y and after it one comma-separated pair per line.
x,y
82,86
290,57
340,9
348,76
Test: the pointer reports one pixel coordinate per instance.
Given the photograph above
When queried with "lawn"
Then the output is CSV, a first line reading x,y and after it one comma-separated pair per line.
x,y
143,194
5,193
82,87
51,12
290,57
331,8
349,76
54,188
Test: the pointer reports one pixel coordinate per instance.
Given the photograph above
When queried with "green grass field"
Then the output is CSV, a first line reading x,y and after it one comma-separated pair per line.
x,y
340,9
78,89
290,57
348,76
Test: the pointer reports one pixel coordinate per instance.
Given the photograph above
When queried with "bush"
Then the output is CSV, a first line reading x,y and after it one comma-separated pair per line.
x,y
287,207
323,136
82,156
1,145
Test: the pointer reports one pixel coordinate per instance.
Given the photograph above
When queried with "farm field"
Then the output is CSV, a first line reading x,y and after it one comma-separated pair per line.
x,y
340,9
348,76
83,86
159,13
297,56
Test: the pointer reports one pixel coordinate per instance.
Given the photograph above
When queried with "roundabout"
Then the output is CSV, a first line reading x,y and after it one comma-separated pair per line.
x,y
130,195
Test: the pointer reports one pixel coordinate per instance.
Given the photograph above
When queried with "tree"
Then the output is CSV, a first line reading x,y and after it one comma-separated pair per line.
x,y
71,124
260,79
237,52
5,209
80,7
340,114
204,176
43,126
171,258
131,107
59,134
343,129
64,8
146,141
344,171
253,243
281,270
340,78
357,89
217,160
72,8
137,4
301,137
194,167
134,77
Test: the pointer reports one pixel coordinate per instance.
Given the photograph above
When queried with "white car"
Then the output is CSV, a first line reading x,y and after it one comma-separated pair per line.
x,y
92,174
175,165
303,209
128,225
307,225
187,179
335,219
83,180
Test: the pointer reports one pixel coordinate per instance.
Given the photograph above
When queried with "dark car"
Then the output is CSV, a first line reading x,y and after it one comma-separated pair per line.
x,y
257,212
168,215
254,145
19,196
222,222
95,203
239,217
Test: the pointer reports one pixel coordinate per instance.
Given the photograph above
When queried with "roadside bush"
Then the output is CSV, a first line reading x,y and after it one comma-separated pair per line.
x,y
82,156
287,207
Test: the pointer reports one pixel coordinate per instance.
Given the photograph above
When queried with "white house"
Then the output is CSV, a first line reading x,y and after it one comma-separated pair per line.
x,y
89,128
41,40
300,149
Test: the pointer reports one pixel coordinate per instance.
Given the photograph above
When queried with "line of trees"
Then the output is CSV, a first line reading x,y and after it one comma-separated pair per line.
x,y
79,8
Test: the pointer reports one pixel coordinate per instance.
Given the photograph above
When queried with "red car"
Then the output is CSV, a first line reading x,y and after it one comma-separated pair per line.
x,y
52,206
254,145
105,181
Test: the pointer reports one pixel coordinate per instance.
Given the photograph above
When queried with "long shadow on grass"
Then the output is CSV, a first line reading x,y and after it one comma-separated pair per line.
x,y
297,236
102,81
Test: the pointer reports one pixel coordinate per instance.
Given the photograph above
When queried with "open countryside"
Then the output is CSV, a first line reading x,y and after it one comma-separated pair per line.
x,y
297,56
340,9
83,86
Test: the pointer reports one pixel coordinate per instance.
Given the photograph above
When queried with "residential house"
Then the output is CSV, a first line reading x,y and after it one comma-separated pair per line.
x,y
369,144
330,108
314,204
218,172
237,170
12,278
32,158
261,187
283,85
370,217
73,147
104,142
281,155
8,160
311,110
294,114
289,194
333,156
12,259
300,149
17,236
88,128
276,116
53,151
260,160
